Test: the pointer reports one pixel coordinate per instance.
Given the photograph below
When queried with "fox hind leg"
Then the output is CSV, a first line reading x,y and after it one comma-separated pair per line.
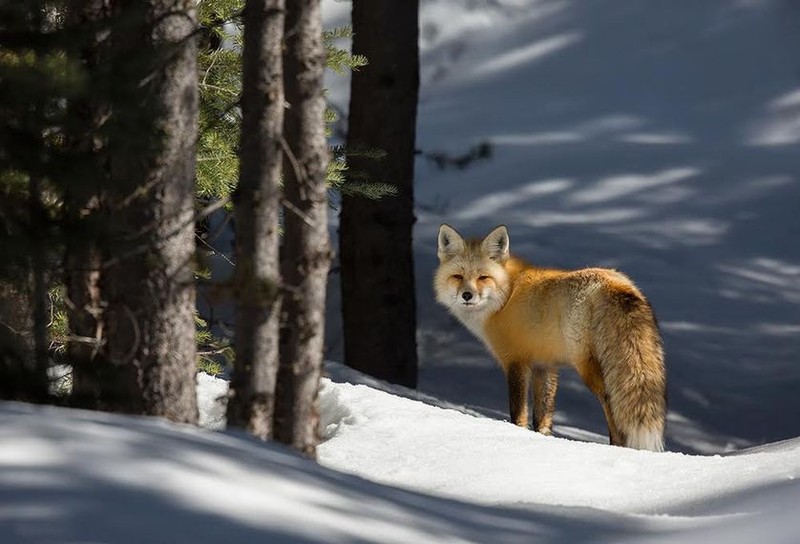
x,y
545,384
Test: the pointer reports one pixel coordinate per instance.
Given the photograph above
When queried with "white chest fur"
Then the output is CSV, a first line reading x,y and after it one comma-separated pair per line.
x,y
474,321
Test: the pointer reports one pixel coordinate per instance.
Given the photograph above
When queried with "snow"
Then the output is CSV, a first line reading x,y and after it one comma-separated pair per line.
x,y
211,395
661,141
391,469
657,140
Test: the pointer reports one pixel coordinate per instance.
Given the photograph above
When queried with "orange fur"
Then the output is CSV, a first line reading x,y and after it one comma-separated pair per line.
x,y
594,319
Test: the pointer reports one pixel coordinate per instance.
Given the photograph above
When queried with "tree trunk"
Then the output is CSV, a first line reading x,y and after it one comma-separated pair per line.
x,y
81,208
306,253
375,237
18,377
257,201
24,358
148,278
39,280
39,290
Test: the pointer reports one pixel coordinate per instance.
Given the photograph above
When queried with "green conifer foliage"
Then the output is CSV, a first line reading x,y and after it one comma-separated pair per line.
x,y
220,63
220,117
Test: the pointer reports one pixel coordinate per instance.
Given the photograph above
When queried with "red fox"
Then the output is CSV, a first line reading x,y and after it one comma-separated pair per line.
x,y
533,319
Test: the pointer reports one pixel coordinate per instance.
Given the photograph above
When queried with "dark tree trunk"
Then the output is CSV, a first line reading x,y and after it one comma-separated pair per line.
x,y
82,281
23,290
306,253
39,246
19,379
39,290
375,237
81,206
257,202
148,279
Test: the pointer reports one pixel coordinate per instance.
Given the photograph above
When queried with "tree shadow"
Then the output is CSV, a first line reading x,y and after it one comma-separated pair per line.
x,y
69,475
662,142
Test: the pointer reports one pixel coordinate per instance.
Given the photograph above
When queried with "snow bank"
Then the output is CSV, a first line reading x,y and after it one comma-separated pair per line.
x,y
72,475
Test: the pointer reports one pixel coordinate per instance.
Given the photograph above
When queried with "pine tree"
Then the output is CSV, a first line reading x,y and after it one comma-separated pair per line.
x,y
305,257
220,68
87,112
78,157
148,280
220,81
35,76
375,236
257,202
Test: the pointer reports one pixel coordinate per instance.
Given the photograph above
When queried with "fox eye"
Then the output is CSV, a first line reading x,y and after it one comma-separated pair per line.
x,y
458,277
483,278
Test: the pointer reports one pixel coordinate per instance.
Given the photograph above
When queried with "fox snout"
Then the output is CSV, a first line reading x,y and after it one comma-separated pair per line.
x,y
471,298
469,291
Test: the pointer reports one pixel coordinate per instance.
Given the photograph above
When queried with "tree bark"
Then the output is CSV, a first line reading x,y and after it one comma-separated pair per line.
x,y
39,280
375,237
24,357
82,199
257,201
19,379
39,290
306,253
148,278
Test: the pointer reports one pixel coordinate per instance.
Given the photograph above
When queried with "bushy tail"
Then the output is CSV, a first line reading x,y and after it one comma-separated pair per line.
x,y
629,349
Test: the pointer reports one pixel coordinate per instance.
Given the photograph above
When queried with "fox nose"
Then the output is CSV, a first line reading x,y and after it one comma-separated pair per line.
x,y
466,295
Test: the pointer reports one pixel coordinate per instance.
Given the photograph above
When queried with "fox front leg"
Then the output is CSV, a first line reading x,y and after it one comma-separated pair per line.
x,y
545,384
518,379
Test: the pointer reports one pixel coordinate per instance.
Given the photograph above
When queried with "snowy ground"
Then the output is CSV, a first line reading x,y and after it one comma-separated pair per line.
x,y
661,140
392,469
657,139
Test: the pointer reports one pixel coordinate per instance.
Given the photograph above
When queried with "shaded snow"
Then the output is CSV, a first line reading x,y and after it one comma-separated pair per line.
x,y
658,140
78,476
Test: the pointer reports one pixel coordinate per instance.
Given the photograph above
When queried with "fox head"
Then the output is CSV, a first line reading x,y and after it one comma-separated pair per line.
x,y
471,280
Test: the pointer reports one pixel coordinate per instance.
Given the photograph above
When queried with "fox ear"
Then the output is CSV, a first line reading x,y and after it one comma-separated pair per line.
x,y
450,243
495,245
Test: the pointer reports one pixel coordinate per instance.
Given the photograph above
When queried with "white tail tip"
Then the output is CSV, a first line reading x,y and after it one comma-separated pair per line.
x,y
646,439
